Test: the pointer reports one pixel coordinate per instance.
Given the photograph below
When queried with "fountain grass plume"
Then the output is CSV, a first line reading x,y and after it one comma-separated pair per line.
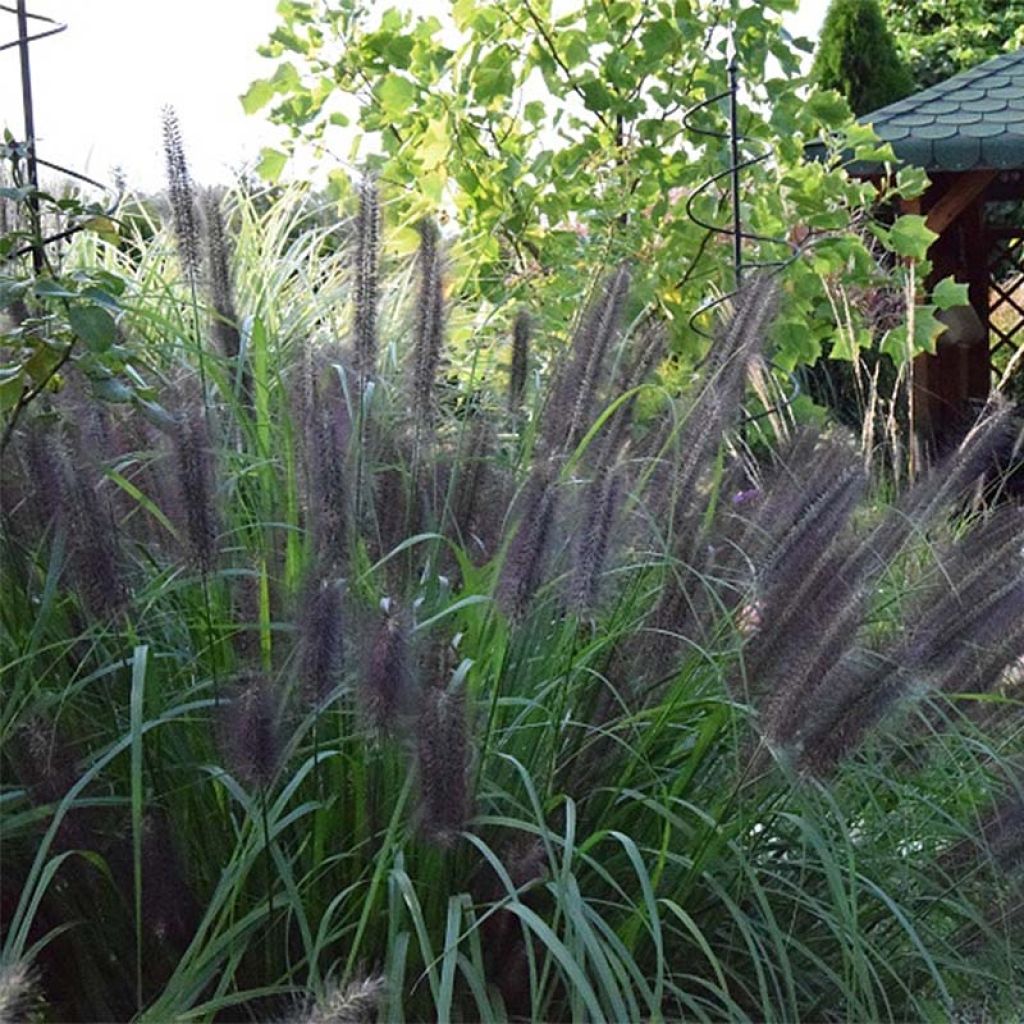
x,y
358,1002
66,485
181,193
472,476
829,603
429,326
519,363
197,487
250,734
218,275
169,908
522,569
581,371
443,764
321,648
18,993
331,431
601,508
245,614
960,637
367,274
717,405
387,676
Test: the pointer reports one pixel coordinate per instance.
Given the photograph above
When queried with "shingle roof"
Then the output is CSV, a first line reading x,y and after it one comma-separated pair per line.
x,y
973,120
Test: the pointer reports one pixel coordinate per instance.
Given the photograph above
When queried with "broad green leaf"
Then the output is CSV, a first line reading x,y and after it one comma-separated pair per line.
x,y
493,76
10,391
927,329
911,182
910,236
95,326
434,145
596,95
948,293
48,288
11,291
396,95
271,164
111,390
659,38
258,95
829,108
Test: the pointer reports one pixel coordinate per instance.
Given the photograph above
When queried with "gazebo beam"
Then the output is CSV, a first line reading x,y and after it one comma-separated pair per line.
x,y
964,190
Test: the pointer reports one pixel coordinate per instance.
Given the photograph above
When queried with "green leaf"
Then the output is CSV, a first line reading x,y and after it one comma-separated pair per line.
x,y
911,182
258,95
796,343
927,328
271,164
396,95
11,291
10,392
95,326
949,293
658,39
493,76
434,145
829,108
596,96
111,390
534,112
48,288
911,237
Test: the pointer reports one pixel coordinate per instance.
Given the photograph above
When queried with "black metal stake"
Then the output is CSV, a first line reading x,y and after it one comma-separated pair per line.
x,y
38,261
734,144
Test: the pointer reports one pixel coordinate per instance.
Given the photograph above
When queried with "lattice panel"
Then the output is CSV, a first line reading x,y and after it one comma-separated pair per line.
x,y
1006,293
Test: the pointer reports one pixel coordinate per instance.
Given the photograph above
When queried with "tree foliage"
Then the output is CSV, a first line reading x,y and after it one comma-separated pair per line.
x,y
557,143
857,57
942,37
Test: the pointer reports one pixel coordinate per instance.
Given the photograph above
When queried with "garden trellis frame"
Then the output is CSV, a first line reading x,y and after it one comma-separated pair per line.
x,y
26,151
735,230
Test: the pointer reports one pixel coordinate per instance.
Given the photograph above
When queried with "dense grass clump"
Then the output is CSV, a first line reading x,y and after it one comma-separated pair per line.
x,y
340,685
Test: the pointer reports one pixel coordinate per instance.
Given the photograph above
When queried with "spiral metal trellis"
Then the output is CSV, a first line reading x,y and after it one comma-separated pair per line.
x,y
735,229
26,151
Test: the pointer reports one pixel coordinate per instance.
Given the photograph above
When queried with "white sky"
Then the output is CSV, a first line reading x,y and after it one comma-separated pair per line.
x,y
99,87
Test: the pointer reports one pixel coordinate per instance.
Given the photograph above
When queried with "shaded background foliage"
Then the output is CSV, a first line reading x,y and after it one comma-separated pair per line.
x,y
555,140
942,37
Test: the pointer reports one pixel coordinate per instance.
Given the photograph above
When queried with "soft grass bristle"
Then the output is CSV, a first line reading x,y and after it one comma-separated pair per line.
x,y
181,193
443,765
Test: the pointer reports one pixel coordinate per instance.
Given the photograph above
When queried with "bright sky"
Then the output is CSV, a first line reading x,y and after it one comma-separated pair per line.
x,y
99,87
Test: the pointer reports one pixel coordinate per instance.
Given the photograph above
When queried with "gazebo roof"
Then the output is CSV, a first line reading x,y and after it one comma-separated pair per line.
x,y
972,121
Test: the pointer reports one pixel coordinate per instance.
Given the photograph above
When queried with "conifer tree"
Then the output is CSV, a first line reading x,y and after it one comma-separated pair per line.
x,y
857,57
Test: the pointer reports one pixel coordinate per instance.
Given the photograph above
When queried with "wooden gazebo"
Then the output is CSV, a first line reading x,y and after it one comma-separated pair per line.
x,y
968,134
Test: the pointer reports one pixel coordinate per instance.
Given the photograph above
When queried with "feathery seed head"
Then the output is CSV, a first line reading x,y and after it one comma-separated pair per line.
x,y
579,378
522,570
367,271
249,732
518,369
17,992
196,481
388,676
601,509
320,638
331,433
429,329
245,602
169,908
443,764
218,275
356,1003
182,198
